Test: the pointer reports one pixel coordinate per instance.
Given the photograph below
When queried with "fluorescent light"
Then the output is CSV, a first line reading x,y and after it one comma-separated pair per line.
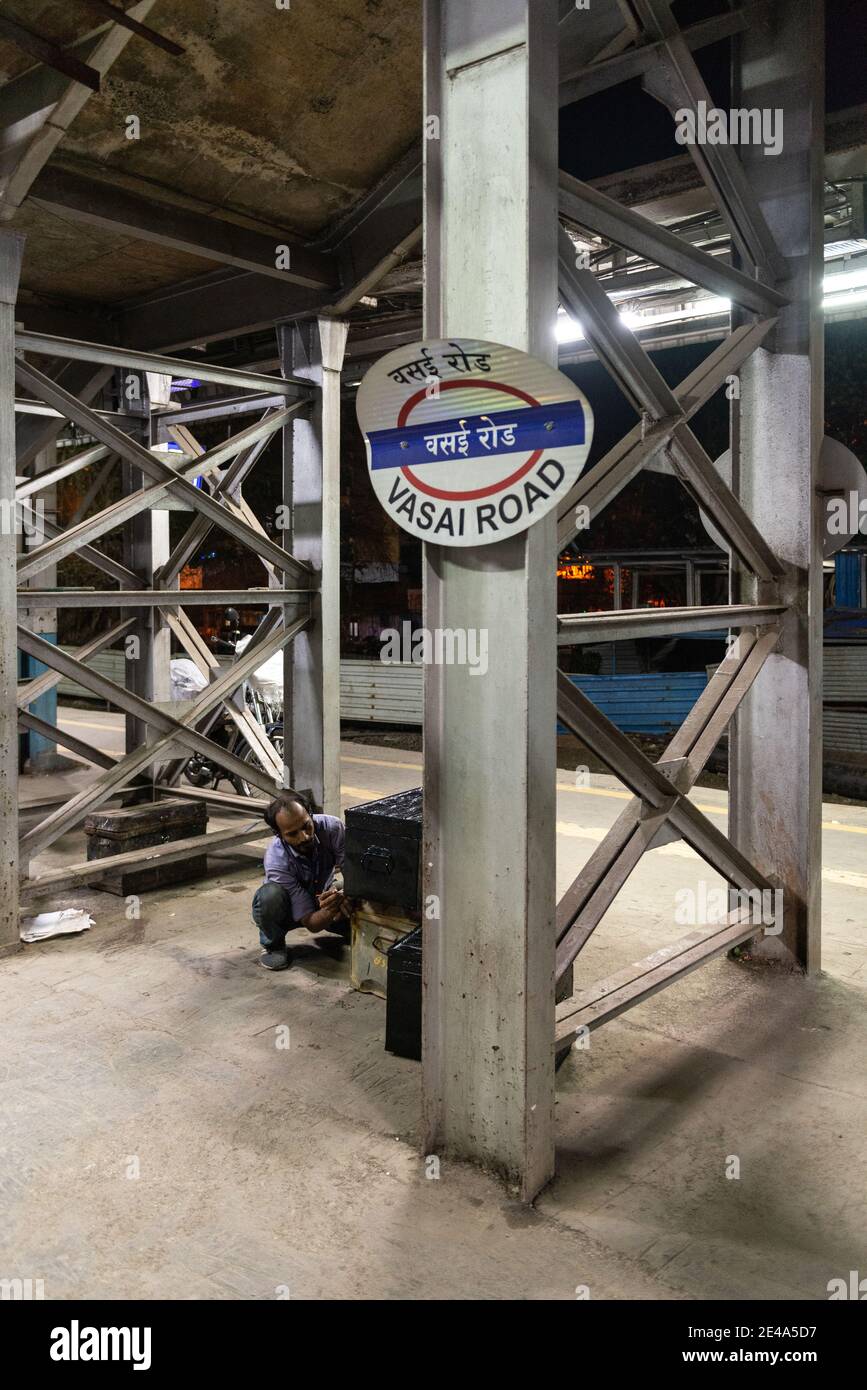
x,y
846,280
567,330
849,297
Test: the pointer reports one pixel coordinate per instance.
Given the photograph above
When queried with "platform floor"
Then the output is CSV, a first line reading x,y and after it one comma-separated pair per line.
x,y
157,1142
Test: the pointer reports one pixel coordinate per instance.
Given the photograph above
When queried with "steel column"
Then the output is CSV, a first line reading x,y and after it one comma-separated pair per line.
x,y
11,250
311,701
776,762
489,747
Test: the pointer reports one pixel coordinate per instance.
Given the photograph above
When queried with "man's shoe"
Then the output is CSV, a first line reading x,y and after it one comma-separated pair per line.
x,y
275,960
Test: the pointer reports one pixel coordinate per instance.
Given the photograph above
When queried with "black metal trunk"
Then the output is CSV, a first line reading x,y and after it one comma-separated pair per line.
x,y
403,997
141,827
383,850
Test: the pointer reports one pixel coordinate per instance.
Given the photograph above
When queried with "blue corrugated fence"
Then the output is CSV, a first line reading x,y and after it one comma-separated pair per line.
x,y
655,702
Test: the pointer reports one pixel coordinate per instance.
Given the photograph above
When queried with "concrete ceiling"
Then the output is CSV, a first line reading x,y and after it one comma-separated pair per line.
x,y
277,120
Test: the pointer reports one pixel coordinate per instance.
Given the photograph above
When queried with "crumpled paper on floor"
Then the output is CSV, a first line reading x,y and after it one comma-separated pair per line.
x,y
46,924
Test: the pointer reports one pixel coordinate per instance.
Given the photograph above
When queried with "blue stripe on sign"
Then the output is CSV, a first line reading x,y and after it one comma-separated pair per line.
x,y
480,436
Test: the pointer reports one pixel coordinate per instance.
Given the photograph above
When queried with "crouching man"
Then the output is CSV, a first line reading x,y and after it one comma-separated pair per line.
x,y
303,877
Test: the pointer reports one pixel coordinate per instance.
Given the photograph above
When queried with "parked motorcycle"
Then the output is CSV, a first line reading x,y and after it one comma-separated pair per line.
x,y
263,695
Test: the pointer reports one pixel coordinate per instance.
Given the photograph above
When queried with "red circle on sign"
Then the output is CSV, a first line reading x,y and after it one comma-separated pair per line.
x,y
515,477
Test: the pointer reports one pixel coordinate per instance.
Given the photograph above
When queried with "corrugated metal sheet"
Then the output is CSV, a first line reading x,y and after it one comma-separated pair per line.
x,y
371,691
846,672
652,703
111,664
845,678
844,731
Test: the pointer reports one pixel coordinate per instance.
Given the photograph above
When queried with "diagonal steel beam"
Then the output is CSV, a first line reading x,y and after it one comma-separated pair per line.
x,y
97,483
603,215
701,479
40,685
171,773
106,563
171,728
227,487
588,898
585,81
613,996
200,526
33,433
180,730
167,479
617,348
40,112
144,31
646,780
677,82
63,470
235,706
601,483
643,385
54,734
606,478
44,51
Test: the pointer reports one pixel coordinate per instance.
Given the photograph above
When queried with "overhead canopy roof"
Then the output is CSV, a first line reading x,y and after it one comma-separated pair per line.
x,y
274,121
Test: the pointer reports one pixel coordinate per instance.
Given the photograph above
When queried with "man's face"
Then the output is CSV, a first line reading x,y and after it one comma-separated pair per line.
x,y
295,828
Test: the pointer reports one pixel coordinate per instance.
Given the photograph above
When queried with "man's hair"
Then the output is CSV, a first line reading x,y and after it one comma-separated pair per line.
x,y
284,801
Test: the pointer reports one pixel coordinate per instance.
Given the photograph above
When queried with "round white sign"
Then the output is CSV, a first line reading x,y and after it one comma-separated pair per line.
x,y
470,442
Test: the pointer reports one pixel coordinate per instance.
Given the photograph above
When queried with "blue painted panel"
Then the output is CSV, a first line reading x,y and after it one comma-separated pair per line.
x,y
652,703
45,707
847,567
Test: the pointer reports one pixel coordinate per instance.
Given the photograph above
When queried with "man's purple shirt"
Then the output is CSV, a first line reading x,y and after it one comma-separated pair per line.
x,y
303,875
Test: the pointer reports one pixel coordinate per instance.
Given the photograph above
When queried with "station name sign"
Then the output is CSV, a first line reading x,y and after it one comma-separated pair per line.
x,y
470,442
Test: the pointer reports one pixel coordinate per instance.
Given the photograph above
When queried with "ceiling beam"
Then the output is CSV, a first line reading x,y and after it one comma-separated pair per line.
x,y
36,113
380,231
226,304
586,81
119,16
102,204
44,51
33,433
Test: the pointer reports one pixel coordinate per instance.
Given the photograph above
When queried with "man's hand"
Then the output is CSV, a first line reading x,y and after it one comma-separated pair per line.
x,y
332,905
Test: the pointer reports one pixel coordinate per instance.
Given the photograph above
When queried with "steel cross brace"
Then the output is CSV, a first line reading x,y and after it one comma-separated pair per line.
x,y
600,484
181,730
31,690
646,389
198,529
258,741
677,83
56,735
165,480
605,216
170,774
660,792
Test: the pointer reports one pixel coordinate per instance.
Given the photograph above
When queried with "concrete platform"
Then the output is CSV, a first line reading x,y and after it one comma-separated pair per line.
x,y
159,1141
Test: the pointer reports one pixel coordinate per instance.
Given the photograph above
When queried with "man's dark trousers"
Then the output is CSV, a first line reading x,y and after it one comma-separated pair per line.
x,y
272,913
